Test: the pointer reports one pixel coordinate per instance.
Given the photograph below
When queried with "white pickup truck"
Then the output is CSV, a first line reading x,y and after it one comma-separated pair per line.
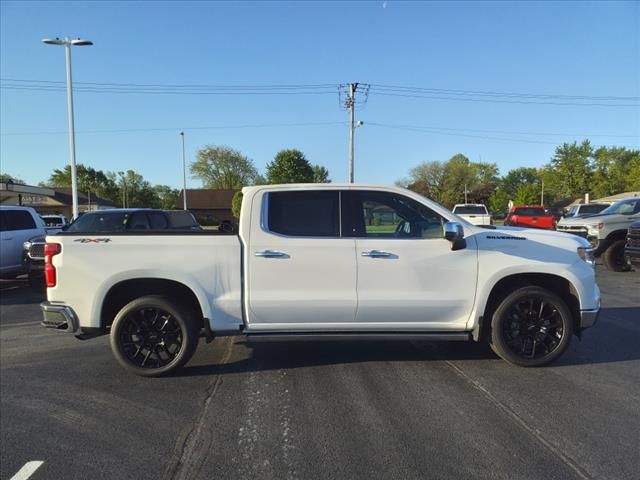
x,y
323,261
474,213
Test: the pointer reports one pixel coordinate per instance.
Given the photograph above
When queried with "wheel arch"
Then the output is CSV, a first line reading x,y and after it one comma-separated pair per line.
x,y
125,291
617,235
555,283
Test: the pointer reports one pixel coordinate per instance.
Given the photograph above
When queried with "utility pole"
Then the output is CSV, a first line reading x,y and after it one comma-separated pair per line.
x,y
465,193
351,104
184,174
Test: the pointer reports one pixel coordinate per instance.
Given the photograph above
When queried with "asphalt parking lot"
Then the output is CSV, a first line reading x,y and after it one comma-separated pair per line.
x,y
323,410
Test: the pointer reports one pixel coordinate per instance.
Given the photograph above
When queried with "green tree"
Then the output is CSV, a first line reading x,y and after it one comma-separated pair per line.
x,y
290,166
167,197
5,178
320,174
219,166
527,194
426,179
236,204
89,179
569,173
615,170
136,191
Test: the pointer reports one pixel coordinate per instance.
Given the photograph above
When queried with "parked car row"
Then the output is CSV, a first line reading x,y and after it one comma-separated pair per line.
x,y
23,233
604,226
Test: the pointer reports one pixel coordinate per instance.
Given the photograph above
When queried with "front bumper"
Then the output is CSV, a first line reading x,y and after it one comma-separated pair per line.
x,y
59,317
588,318
632,255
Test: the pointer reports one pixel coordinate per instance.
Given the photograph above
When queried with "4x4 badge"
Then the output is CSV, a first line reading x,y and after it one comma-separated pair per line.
x,y
92,240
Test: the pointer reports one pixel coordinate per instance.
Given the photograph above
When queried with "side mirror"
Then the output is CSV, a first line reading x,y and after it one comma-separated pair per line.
x,y
454,232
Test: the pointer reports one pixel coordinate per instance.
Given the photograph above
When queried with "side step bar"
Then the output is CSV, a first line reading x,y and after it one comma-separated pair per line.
x,y
355,336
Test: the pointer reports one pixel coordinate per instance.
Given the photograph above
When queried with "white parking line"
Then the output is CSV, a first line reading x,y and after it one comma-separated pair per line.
x,y
27,470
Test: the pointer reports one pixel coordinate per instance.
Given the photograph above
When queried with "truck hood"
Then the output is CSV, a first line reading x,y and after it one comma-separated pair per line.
x,y
587,220
560,240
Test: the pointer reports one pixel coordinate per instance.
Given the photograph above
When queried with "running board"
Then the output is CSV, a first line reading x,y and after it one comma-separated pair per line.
x,y
356,336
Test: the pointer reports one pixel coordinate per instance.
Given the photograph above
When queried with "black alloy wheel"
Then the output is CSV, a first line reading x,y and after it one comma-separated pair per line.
x,y
531,327
152,336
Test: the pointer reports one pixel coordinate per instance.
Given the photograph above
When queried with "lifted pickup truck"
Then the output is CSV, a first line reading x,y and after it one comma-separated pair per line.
x,y
323,261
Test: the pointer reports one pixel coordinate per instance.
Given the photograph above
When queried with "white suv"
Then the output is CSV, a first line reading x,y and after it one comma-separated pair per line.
x,y
17,225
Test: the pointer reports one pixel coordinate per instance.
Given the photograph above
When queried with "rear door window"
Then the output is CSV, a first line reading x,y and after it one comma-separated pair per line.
x,y
158,221
138,221
17,220
304,213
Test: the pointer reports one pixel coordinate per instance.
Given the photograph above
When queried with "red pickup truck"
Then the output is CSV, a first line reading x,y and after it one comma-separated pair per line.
x,y
531,216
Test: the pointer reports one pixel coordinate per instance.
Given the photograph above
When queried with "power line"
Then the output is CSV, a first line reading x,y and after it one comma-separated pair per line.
x,y
498,100
516,132
427,93
165,85
495,93
483,137
178,129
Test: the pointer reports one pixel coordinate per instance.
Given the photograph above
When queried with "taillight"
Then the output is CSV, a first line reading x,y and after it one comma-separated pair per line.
x,y
50,249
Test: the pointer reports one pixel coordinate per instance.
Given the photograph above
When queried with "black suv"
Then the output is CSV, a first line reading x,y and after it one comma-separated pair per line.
x,y
632,248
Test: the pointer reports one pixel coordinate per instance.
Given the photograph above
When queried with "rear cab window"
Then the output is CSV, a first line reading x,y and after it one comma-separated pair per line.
x,y
530,212
470,210
312,213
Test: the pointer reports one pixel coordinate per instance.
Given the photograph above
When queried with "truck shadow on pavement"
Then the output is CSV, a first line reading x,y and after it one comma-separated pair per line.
x,y
615,338
18,292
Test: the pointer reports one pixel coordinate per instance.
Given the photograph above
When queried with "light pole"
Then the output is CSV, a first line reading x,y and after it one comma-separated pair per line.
x,y
184,174
67,43
124,189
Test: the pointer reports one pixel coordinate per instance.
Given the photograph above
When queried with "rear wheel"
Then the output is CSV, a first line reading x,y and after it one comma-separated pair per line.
x,y
613,257
531,327
152,336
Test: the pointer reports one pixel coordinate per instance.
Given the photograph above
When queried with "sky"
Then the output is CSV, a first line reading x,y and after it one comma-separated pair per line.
x,y
558,53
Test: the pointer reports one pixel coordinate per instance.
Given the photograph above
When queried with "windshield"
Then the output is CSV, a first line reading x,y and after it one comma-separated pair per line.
x,y
470,209
100,222
585,209
530,212
623,207
52,221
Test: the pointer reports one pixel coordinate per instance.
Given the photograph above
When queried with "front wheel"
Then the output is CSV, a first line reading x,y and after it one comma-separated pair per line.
x,y
531,327
151,336
613,257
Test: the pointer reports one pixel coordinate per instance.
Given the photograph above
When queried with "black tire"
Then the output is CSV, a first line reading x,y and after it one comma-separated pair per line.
x,y
613,257
152,336
531,327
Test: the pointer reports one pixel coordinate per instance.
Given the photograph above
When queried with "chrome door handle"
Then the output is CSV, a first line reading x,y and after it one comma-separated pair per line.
x,y
377,254
271,254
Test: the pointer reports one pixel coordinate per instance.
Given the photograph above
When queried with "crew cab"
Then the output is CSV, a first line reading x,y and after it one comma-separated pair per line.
x,y
475,213
318,261
531,216
607,231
